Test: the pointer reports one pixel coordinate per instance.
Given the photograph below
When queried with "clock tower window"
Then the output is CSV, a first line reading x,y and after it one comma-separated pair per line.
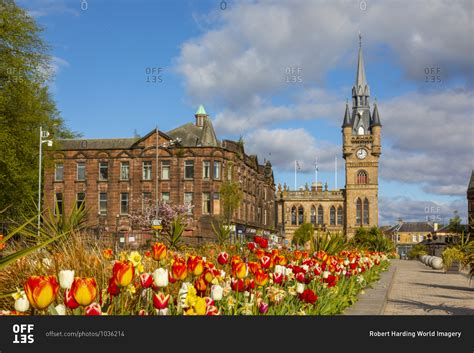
x,y
362,177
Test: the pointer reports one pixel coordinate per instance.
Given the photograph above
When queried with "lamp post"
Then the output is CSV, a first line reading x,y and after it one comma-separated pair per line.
x,y
116,232
43,139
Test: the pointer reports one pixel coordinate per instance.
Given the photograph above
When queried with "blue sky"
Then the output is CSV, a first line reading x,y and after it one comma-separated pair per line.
x,y
234,62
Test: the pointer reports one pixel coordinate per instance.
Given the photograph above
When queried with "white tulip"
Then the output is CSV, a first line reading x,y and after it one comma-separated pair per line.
x,y
22,304
162,312
216,292
160,277
60,309
299,288
288,271
305,268
326,274
279,269
222,273
66,277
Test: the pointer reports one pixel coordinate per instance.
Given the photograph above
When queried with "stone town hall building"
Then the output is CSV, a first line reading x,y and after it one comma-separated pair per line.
x,y
116,177
356,205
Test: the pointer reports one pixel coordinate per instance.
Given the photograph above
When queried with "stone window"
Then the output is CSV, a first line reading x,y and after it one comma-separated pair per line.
x,y
146,170
366,211
320,215
103,203
300,215
206,169
188,169
362,177
165,197
165,170
206,202
217,170
340,216
58,208
293,215
81,171
332,216
124,171
59,172
80,199
313,215
124,203
103,171
359,211
188,200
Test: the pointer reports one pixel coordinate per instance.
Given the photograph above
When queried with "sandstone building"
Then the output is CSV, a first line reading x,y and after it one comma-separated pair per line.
x,y
356,205
115,177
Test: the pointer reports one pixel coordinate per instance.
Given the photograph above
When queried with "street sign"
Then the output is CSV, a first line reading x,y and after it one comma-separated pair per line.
x,y
156,224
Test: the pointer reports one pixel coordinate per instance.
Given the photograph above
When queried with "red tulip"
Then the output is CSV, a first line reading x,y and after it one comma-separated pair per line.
x,y
257,239
222,258
266,261
93,309
253,267
261,277
113,289
178,269
69,300
123,272
209,301
200,284
237,285
158,251
263,243
251,246
212,311
308,296
259,253
41,291
195,265
160,300
278,278
146,280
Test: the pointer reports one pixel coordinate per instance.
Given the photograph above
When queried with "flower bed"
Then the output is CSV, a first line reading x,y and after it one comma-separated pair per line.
x,y
211,280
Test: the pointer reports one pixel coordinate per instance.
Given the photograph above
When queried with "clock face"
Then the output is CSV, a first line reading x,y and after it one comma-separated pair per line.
x,y
361,153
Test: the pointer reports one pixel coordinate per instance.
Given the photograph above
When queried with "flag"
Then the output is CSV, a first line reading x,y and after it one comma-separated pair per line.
x,y
298,165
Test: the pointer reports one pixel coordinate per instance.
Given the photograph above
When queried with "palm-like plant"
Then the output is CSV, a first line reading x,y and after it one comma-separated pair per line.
x,y
222,232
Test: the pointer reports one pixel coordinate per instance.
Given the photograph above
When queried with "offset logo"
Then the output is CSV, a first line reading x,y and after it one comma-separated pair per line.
x,y
23,333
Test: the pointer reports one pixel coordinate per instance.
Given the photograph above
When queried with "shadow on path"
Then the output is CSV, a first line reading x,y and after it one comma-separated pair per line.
x,y
465,289
450,310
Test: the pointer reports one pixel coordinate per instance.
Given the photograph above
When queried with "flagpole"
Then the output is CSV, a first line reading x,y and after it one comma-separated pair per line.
x,y
316,172
295,175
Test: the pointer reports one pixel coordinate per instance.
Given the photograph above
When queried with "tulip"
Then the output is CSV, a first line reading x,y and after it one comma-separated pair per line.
x,y
162,312
281,260
257,239
266,261
146,280
263,243
66,277
158,251
237,285
60,309
223,258
69,300
240,270
41,291
253,266
107,253
216,292
263,307
142,312
278,278
299,288
84,290
251,246
200,284
208,275
160,300
261,278
308,296
259,253
195,265
212,311
122,273
160,277
113,289
297,254
93,310
179,269
279,269
22,304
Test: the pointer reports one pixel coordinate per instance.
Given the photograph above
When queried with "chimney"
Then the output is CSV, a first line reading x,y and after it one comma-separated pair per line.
x,y
320,186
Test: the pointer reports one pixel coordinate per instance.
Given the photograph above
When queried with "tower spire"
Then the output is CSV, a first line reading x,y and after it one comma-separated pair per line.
x,y
361,81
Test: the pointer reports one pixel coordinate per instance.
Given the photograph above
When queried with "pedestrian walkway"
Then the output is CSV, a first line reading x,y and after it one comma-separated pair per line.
x,y
417,289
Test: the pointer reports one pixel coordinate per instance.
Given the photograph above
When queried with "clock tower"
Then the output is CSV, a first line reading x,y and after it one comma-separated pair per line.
x,y
361,151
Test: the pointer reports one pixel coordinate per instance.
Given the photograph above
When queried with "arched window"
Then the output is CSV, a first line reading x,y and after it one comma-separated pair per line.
x,y
332,216
360,130
300,215
359,211
362,177
340,216
293,215
320,214
366,211
313,215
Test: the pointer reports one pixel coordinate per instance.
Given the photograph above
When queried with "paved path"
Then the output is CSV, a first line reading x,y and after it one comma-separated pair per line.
x,y
417,289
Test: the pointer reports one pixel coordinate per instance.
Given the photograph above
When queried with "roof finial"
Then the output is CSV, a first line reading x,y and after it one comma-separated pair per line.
x,y
360,40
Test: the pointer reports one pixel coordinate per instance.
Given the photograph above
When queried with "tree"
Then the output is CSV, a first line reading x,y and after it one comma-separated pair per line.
x,y
25,105
455,223
231,196
303,234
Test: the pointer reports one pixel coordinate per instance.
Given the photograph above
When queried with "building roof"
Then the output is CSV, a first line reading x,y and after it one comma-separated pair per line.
x,y
96,144
347,117
193,136
471,182
201,110
412,227
375,117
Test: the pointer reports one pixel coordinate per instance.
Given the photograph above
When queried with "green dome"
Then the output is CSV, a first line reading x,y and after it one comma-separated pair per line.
x,y
201,110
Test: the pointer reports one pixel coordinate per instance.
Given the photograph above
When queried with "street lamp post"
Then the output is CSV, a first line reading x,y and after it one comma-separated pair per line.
x,y
43,139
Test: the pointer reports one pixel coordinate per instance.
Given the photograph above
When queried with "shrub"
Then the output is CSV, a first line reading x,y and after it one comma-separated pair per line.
x,y
417,250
